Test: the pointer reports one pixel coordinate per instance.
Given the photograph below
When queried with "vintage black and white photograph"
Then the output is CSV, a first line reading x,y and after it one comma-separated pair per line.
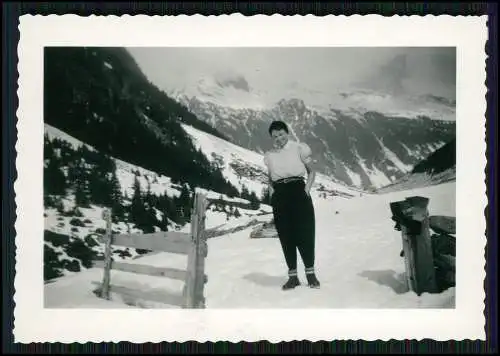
x,y
254,177
301,152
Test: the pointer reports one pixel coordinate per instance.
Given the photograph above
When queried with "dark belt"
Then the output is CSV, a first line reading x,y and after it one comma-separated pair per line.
x,y
288,180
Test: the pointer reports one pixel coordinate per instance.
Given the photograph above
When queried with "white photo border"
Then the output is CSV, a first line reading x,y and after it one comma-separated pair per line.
x,y
468,34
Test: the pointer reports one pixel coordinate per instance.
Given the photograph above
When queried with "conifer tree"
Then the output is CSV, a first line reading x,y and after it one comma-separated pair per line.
x,y
254,201
98,188
185,203
82,192
266,196
48,148
164,222
244,193
54,180
137,205
116,198
170,208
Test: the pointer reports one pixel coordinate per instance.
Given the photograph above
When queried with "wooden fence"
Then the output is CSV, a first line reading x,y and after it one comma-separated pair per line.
x,y
193,244
429,259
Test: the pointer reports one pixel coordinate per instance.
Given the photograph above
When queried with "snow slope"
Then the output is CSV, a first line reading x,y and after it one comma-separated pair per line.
x,y
159,184
420,179
357,261
92,224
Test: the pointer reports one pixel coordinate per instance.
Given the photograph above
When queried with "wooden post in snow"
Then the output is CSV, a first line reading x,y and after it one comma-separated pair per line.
x,y
202,252
196,277
412,219
106,214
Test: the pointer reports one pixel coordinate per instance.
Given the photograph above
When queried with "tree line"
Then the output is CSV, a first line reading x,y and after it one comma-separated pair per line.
x,y
91,177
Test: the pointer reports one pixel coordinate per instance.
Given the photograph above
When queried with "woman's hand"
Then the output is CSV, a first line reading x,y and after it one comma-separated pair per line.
x,y
271,191
307,189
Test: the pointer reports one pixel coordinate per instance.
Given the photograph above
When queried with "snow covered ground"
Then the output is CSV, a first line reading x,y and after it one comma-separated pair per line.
x,y
357,262
357,248
240,166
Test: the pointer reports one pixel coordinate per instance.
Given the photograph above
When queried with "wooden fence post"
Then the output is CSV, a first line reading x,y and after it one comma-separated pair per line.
x,y
106,214
202,251
193,291
412,219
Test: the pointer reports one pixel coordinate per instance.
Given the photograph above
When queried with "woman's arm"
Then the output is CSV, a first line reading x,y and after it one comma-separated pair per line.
x,y
305,156
311,176
270,181
271,189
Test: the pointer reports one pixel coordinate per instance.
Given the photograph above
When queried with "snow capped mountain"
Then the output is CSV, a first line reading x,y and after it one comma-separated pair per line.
x,y
370,114
391,88
235,92
364,139
368,121
224,90
393,105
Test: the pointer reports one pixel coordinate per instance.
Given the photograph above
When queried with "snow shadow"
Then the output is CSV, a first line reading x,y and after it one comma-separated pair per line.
x,y
396,281
264,280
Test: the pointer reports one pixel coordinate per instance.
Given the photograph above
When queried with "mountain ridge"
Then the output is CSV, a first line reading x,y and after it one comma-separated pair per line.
x,y
437,168
365,150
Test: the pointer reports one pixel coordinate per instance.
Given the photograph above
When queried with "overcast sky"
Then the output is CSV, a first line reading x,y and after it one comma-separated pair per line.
x,y
420,70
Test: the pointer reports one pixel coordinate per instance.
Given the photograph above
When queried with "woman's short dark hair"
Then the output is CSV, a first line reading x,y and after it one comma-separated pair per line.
x,y
277,125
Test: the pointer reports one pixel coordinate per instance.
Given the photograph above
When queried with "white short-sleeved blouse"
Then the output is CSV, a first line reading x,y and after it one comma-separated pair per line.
x,y
288,161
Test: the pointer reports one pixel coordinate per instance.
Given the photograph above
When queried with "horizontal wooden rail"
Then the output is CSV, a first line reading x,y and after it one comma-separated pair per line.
x,y
218,231
169,241
443,224
173,273
446,261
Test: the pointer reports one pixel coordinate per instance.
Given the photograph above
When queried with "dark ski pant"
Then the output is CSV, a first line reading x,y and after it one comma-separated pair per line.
x,y
294,220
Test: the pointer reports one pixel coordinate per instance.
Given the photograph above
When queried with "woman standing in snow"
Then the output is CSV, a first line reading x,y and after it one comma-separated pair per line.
x,y
293,210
